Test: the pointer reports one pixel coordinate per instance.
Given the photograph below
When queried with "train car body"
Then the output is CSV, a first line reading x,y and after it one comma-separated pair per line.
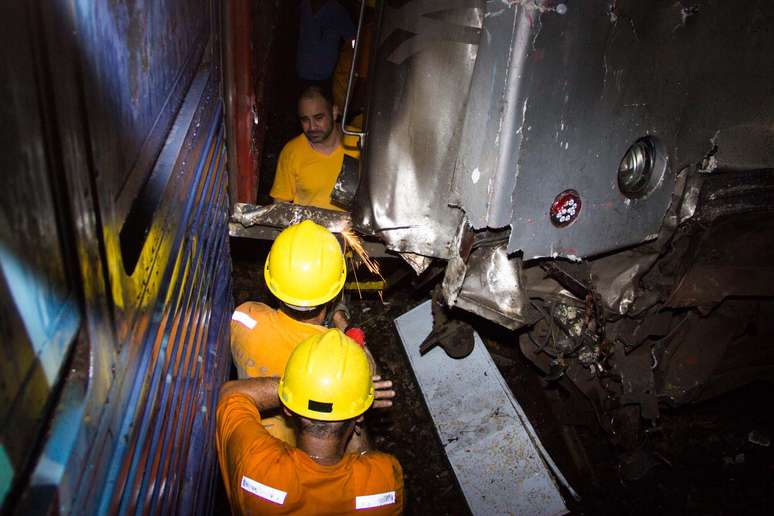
x,y
595,175
114,257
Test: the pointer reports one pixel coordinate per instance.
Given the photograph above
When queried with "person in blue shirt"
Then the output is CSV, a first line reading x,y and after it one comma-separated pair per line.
x,y
323,26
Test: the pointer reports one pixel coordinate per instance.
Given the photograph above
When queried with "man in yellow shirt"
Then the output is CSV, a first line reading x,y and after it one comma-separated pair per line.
x,y
310,163
325,389
305,270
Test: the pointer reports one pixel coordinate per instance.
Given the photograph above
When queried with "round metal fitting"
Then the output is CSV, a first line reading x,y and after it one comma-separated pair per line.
x,y
565,208
642,168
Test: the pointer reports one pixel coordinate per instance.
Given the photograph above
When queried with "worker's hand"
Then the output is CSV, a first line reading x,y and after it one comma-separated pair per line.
x,y
383,392
340,319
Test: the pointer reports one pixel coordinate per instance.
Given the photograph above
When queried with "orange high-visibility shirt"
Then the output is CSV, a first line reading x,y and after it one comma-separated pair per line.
x,y
305,176
262,339
263,475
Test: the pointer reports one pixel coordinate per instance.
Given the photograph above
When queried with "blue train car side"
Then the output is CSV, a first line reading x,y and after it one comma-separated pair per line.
x,y
114,257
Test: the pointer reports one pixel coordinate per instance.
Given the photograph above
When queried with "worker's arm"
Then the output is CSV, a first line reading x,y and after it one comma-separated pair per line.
x,y
262,391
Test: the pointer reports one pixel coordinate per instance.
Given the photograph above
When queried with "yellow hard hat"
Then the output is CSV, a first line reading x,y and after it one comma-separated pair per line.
x,y
305,266
327,378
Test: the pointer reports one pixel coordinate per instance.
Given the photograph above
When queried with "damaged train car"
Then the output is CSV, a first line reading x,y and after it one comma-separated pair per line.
x,y
597,175
114,256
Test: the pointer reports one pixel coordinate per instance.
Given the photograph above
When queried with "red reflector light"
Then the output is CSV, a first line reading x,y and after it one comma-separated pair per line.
x,y
565,208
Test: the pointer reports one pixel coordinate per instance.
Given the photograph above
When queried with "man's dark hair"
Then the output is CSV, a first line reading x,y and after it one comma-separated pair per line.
x,y
302,315
315,90
321,428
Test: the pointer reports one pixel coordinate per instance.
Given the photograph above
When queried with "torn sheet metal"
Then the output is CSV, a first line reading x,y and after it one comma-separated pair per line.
x,y
496,455
492,288
423,64
417,262
281,215
346,183
266,222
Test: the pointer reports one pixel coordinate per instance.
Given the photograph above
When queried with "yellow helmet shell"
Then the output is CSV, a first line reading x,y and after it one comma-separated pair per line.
x,y
327,378
305,266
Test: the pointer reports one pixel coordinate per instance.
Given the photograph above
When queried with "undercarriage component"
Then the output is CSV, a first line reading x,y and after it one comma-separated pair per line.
x,y
726,248
484,280
667,357
453,335
346,184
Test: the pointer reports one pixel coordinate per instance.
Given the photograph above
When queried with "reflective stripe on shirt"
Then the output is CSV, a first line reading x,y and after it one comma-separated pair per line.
x,y
243,318
264,491
374,500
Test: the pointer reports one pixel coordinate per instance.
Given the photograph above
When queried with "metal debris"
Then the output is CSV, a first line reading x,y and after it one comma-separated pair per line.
x,y
759,438
283,214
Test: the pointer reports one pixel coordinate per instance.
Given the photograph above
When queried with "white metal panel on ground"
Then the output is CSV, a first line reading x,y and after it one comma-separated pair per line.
x,y
500,464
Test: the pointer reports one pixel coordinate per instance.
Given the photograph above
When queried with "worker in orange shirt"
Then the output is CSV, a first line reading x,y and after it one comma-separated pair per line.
x,y
325,389
305,270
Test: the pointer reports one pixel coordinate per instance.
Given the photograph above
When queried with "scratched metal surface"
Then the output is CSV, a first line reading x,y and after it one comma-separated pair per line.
x,y
39,316
166,392
500,464
499,116
139,58
424,61
602,75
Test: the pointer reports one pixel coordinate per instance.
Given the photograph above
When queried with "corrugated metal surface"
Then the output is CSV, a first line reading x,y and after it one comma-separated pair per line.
x,y
171,398
127,136
39,315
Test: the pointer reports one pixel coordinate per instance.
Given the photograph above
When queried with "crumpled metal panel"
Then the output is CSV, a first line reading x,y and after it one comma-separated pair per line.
x,y
266,222
481,278
424,61
345,189
493,288
283,214
615,279
557,94
417,262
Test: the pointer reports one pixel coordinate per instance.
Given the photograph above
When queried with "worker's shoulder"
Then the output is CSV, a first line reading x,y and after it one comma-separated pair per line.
x,y
253,309
269,460
377,464
296,145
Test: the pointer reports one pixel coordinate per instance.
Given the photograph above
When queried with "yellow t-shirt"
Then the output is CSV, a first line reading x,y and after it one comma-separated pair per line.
x,y
262,475
262,339
307,177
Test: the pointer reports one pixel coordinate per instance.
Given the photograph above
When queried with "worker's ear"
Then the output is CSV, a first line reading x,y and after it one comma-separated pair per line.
x,y
287,412
360,420
356,426
336,112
